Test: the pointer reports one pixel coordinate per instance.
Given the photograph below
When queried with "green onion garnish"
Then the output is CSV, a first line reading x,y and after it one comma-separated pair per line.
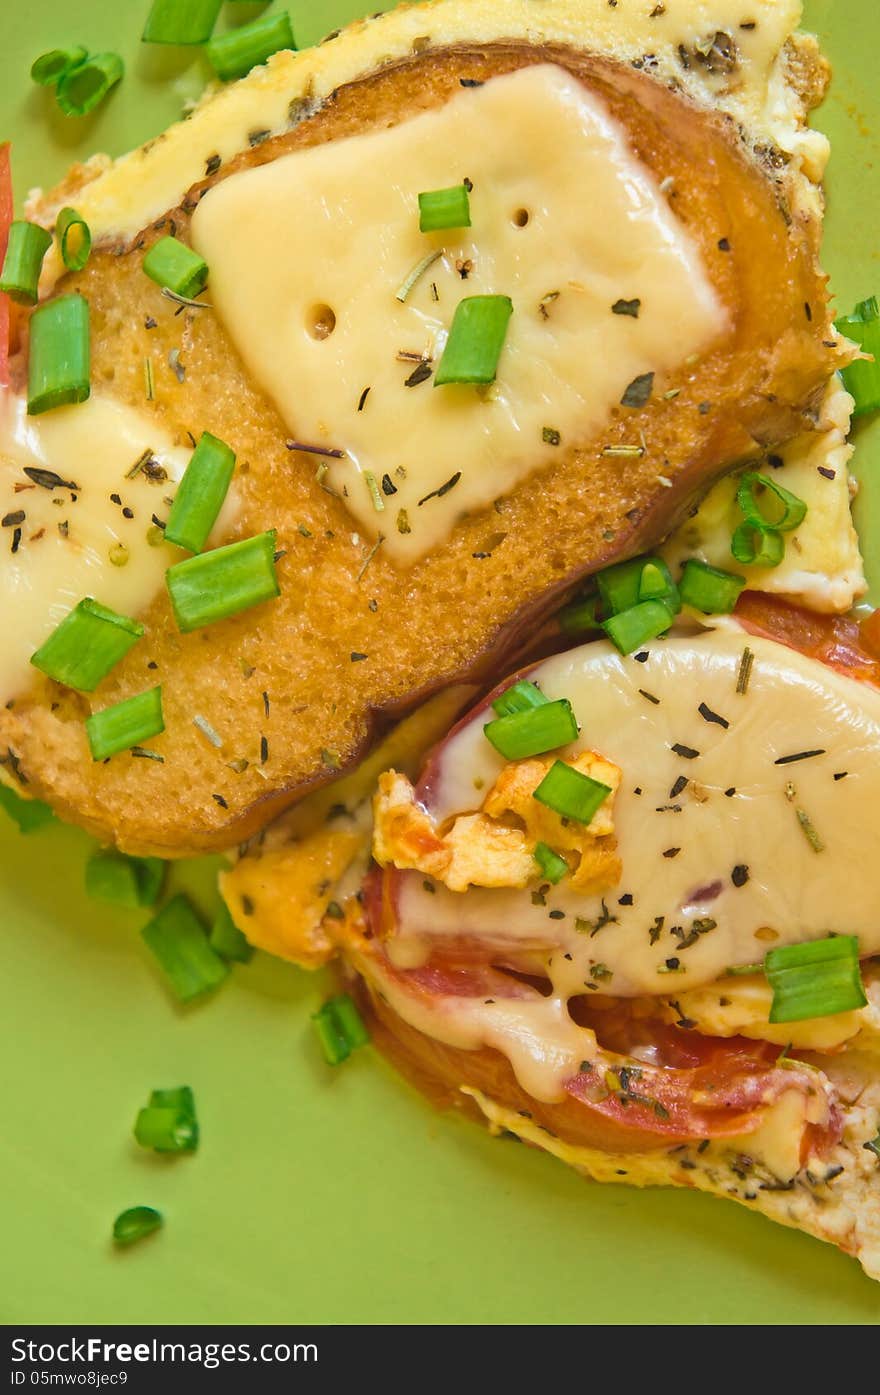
x,y
570,793
168,1124
708,589
227,939
445,208
135,1224
232,55
756,545
59,354
816,979
181,21
862,378
171,263
51,67
88,643
534,731
82,88
632,628
74,239
200,494
223,582
166,1130
124,881
764,501
475,341
340,1029
178,940
27,246
30,814
518,698
126,724
641,579
580,616
553,867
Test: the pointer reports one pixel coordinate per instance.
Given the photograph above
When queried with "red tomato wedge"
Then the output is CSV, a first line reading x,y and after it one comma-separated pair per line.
x,y
839,641
5,221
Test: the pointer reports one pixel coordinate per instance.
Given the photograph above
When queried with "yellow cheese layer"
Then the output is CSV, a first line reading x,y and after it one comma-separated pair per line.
x,y
87,535
306,254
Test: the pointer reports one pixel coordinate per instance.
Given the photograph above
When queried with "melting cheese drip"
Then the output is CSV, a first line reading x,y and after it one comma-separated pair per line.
x,y
78,541
306,254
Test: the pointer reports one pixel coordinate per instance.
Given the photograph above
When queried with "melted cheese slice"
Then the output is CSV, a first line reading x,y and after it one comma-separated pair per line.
x,y
740,808
71,536
324,237
822,566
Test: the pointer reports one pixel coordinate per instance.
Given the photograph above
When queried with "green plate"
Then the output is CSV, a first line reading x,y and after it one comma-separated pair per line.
x,y
322,1196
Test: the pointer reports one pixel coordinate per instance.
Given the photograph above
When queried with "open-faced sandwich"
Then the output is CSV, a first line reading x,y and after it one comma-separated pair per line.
x,y
480,361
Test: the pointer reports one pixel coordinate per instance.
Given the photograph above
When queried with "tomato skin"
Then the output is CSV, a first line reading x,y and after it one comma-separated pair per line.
x,y
851,646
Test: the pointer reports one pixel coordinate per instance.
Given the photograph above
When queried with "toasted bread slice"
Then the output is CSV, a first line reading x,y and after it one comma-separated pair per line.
x,y
298,688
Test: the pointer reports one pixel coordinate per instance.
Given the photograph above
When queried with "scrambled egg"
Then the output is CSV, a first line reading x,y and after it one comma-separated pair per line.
x,y
496,846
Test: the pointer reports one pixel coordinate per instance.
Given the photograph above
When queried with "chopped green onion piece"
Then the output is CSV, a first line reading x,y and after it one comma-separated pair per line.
x,y
59,354
873,1145
74,239
518,698
177,1097
86,645
181,21
475,341
444,208
756,545
27,246
50,67
171,263
619,585
534,731
166,1130
764,501
641,579
227,939
224,582
656,582
632,628
200,494
580,616
570,793
862,378
816,979
708,589
340,1029
178,940
135,1224
123,880
30,814
553,867
233,55
82,88
126,724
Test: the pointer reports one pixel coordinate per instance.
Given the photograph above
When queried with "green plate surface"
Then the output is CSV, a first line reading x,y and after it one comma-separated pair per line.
x,y
318,1195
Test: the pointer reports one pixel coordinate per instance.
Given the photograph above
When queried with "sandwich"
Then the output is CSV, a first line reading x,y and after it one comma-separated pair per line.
x,y
437,433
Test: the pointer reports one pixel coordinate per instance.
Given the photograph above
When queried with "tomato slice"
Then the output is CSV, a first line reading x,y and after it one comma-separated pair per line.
x,y
5,221
693,1088
843,643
